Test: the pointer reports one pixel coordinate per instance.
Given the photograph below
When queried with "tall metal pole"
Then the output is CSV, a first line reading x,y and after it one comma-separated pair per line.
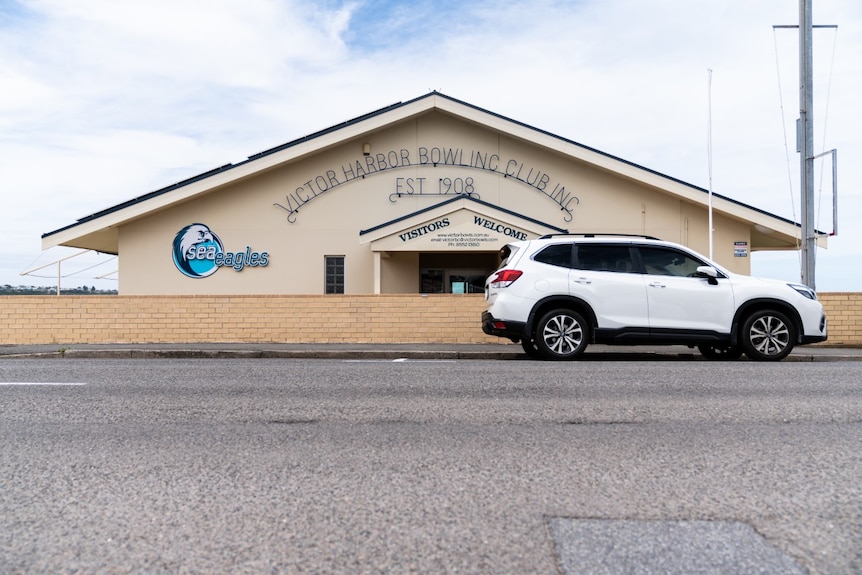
x,y
805,138
709,158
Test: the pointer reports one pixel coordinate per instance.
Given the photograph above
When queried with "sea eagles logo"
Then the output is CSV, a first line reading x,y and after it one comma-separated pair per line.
x,y
195,250
199,253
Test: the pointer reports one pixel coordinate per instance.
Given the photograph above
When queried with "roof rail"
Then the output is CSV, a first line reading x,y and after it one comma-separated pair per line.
x,y
592,235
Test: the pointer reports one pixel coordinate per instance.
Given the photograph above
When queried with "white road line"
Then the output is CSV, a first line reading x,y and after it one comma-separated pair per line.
x,y
38,383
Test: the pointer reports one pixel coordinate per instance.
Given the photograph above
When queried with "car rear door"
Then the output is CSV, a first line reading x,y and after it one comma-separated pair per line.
x,y
604,276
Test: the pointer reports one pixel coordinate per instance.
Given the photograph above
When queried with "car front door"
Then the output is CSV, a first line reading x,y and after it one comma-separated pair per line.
x,y
681,301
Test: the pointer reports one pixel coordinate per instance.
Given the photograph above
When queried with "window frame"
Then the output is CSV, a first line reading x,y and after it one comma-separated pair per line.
x,y
333,281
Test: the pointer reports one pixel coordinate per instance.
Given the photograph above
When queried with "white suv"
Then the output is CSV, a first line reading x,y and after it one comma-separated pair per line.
x,y
556,294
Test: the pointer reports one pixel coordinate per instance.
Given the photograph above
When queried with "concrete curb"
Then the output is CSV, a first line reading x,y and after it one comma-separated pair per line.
x,y
386,354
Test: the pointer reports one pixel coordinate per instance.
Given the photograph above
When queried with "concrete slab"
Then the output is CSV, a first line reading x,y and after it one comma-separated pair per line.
x,y
598,546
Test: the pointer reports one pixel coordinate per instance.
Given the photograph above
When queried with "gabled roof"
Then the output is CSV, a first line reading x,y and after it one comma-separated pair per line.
x,y
99,230
459,200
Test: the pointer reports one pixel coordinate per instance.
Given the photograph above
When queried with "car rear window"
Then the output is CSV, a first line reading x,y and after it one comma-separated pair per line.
x,y
507,253
604,258
555,255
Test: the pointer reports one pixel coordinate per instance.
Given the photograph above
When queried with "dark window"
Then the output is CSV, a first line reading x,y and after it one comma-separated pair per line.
x,y
334,274
599,258
668,262
556,255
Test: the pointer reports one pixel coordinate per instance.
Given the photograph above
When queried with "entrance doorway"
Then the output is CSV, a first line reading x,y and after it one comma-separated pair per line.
x,y
455,272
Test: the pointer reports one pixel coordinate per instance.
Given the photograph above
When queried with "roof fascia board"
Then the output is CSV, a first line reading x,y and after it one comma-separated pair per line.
x,y
412,220
606,161
376,120
447,207
231,174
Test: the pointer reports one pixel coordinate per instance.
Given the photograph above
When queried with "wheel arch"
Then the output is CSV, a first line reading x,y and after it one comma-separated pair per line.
x,y
759,304
546,304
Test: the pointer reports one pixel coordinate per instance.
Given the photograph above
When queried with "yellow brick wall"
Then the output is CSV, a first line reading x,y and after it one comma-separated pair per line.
x,y
844,314
255,319
409,318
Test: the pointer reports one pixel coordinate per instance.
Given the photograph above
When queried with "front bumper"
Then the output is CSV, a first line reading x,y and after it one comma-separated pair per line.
x,y
816,338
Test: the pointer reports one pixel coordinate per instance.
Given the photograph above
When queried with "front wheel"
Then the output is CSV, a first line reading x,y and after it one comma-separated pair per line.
x,y
562,334
767,335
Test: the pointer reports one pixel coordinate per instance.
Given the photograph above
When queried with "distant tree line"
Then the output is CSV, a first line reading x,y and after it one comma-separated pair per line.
x,y
47,290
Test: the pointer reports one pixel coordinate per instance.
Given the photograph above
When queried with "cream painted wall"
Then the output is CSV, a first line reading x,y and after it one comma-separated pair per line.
x,y
332,210
400,273
728,231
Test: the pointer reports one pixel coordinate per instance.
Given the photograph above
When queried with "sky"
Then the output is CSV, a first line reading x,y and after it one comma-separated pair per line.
x,y
104,100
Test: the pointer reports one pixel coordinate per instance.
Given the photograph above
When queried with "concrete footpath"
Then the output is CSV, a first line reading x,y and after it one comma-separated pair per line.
x,y
365,351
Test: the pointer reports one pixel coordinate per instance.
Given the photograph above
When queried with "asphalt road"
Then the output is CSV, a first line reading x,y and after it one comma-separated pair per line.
x,y
332,466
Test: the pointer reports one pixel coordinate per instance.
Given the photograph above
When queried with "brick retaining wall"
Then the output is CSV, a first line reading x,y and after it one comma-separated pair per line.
x,y
410,318
844,314
285,319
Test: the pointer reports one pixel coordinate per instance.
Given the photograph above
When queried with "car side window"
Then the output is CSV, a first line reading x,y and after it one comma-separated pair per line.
x,y
668,262
505,253
556,255
607,258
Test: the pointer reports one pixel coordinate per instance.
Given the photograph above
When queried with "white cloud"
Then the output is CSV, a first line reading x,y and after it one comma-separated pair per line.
x,y
103,100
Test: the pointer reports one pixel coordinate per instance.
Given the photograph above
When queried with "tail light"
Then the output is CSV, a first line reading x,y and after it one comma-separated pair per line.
x,y
504,278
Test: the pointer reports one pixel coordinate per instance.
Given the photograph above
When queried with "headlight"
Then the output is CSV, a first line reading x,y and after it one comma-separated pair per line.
x,y
804,290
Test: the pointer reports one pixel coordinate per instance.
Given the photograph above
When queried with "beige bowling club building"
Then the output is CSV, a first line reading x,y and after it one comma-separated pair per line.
x,y
415,198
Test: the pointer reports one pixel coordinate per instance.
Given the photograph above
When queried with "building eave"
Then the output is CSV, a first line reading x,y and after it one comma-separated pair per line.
x,y
81,232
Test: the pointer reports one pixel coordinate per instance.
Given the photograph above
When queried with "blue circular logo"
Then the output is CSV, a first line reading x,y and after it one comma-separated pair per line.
x,y
195,249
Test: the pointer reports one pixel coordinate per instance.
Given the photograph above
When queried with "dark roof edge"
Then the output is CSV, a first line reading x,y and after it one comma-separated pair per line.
x,y
367,116
455,199
618,159
226,167
143,198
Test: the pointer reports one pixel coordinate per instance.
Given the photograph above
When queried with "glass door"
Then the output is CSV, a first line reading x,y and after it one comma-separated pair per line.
x,y
459,272
466,281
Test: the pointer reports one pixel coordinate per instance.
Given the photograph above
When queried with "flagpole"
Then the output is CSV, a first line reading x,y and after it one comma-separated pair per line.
x,y
709,155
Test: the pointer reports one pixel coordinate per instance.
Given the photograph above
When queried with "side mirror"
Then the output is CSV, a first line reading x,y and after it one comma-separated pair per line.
x,y
708,272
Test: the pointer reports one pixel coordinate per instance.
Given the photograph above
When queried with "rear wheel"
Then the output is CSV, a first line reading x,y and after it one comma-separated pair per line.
x,y
720,352
529,347
562,334
767,335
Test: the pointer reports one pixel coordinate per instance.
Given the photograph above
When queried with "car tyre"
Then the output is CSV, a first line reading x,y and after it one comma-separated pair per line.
x,y
720,352
768,335
529,347
561,334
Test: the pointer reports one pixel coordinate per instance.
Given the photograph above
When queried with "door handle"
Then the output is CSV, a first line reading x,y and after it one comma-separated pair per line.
x,y
582,280
657,285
